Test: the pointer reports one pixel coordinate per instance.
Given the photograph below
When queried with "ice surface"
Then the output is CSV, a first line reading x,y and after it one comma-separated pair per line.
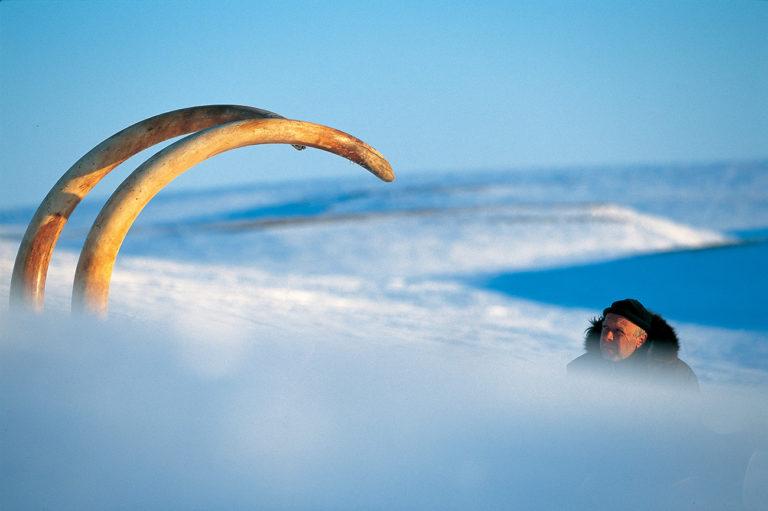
x,y
352,345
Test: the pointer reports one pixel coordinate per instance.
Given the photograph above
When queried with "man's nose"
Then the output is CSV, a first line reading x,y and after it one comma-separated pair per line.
x,y
608,336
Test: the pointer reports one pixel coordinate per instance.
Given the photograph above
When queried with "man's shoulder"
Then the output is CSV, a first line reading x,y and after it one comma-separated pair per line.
x,y
586,362
677,372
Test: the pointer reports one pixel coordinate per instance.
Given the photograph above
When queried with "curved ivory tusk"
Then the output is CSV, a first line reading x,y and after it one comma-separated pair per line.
x,y
34,255
94,269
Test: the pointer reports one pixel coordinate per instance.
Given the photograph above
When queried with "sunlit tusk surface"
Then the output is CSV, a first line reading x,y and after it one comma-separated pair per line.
x,y
34,255
94,269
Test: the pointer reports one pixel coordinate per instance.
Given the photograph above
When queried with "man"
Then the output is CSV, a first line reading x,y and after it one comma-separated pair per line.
x,y
629,340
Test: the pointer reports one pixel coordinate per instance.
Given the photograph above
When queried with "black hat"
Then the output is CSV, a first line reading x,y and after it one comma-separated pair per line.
x,y
632,310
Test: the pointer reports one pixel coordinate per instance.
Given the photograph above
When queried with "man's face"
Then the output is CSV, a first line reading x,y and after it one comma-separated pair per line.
x,y
620,337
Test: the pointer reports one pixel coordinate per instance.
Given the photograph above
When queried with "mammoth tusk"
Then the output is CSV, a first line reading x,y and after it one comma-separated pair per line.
x,y
94,268
34,255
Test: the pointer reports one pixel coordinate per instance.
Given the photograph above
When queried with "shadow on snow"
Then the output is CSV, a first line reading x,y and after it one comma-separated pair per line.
x,y
722,286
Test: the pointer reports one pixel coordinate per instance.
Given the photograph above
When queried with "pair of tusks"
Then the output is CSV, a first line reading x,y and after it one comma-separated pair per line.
x,y
215,129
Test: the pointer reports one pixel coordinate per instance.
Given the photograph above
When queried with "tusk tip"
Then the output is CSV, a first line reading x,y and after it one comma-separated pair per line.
x,y
383,172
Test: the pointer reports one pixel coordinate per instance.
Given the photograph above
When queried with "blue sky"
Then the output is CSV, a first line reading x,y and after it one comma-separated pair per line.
x,y
438,85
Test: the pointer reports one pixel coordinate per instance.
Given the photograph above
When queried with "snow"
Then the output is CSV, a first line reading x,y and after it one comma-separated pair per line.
x,y
348,344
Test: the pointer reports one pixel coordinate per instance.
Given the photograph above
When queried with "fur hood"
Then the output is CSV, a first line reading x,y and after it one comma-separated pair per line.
x,y
662,342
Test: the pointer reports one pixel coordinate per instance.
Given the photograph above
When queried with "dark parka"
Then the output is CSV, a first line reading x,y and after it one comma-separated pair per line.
x,y
654,362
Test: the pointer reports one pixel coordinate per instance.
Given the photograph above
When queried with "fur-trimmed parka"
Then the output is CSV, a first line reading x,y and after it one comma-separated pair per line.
x,y
656,361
